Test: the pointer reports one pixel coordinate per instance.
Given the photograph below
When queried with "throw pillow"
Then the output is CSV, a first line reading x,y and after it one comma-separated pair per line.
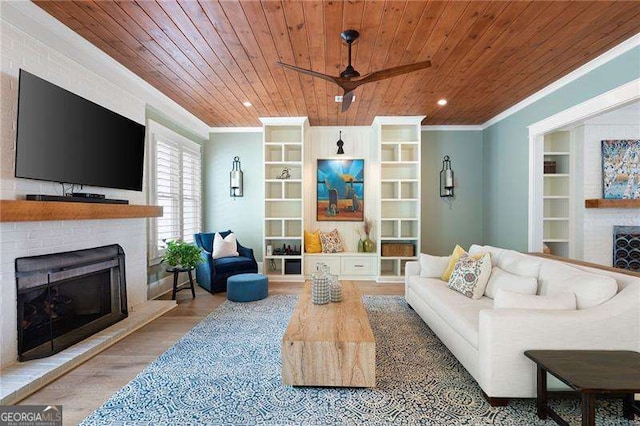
x,y
511,300
590,289
331,242
433,266
312,242
224,247
501,279
470,276
453,259
520,264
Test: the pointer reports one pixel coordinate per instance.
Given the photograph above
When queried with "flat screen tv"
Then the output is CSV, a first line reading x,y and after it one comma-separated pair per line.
x,y
62,137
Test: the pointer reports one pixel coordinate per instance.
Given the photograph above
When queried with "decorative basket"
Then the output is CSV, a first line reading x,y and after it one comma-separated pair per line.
x,y
549,166
397,249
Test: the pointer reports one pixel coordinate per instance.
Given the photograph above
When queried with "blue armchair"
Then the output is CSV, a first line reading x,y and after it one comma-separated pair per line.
x,y
212,274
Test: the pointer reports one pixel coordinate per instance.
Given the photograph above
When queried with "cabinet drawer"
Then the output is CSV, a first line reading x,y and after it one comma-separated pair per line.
x,y
310,263
358,265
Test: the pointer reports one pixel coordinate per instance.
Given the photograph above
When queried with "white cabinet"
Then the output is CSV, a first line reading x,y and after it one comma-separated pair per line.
x,y
283,200
557,194
352,266
399,155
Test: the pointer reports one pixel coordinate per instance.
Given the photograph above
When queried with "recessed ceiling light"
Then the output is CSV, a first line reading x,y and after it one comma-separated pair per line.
x,y
246,103
442,102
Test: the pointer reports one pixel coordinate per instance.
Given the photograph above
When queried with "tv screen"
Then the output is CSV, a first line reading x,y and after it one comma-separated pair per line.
x,y
63,137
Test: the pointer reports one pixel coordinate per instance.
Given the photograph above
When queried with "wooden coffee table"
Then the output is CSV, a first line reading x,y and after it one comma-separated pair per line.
x,y
590,373
331,344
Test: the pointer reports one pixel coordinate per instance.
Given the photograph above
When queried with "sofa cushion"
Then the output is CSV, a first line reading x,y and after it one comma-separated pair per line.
x,y
520,264
511,300
470,276
230,264
501,279
590,289
433,266
495,252
460,312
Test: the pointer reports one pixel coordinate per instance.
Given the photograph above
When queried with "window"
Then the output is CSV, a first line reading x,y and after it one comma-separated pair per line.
x,y
174,184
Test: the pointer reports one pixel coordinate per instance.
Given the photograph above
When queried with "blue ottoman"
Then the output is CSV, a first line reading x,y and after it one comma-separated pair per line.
x,y
247,287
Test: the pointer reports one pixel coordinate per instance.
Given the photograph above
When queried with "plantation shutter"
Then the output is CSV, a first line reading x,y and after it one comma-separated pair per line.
x,y
174,183
168,191
190,193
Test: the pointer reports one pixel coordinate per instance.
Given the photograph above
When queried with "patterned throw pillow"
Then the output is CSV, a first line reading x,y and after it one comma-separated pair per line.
x,y
470,276
331,242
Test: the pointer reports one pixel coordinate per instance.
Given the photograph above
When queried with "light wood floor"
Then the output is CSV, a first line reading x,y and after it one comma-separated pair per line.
x,y
87,387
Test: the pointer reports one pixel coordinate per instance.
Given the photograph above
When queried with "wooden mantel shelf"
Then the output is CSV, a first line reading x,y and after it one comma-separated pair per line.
x,y
33,211
601,203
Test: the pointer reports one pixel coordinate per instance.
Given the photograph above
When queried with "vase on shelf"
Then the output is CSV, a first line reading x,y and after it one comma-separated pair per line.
x,y
360,246
368,245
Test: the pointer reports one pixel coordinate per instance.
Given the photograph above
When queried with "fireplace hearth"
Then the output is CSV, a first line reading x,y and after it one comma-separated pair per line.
x,y
626,247
64,298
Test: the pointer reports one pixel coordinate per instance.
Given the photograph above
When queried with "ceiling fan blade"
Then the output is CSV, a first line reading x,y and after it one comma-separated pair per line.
x,y
332,79
347,98
393,72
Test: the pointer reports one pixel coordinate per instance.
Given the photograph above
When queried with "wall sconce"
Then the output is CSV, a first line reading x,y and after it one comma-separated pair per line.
x,y
235,179
340,144
446,178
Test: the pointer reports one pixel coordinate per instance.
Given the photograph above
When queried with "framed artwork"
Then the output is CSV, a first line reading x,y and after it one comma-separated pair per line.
x,y
340,190
621,169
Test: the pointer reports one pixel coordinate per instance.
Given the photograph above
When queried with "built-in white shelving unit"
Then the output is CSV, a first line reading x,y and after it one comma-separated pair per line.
x,y
283,197
399,140
557,194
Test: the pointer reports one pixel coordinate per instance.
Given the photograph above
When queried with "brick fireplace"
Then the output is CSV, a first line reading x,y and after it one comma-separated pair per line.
x,y
64,298
626,247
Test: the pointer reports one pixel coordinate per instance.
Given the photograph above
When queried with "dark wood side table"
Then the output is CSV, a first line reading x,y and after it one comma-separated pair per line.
x,y
176,271
590,373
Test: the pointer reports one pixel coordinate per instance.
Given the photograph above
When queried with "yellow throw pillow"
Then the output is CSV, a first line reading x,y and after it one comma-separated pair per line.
x,y
457,252
455,256
312,242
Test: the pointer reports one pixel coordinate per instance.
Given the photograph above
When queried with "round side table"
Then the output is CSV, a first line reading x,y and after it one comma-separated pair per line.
x,y
176,271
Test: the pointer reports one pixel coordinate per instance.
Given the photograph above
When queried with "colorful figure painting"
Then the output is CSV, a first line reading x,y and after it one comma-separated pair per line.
x,y
621,169
340,190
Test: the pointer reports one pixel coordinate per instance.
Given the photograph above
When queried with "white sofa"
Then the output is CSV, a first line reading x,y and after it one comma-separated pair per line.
x,y
490,342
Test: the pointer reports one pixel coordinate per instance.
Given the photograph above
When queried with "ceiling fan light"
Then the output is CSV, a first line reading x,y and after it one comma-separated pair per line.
x,y
442,102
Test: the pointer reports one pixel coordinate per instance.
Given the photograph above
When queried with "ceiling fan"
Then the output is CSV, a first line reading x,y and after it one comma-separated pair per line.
x,y
349,79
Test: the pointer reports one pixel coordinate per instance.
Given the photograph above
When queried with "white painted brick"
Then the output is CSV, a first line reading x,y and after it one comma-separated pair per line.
x,y
598,223
18,49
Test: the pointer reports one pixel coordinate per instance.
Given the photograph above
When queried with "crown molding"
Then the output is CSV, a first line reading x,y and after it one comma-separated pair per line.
x,y
235,129
607,56
38,24
452,128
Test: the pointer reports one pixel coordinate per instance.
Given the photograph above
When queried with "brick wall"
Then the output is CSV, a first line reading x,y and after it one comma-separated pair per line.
x,y
20,50
598,223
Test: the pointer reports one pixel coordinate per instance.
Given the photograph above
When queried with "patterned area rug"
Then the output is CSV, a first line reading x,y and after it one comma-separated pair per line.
x,y
226,371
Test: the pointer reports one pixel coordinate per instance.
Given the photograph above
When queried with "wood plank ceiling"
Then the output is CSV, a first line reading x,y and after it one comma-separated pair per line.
x,y
212,56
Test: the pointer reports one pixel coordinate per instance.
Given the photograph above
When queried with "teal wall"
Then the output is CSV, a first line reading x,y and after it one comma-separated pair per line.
x,y
506,150
243,215
446,223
